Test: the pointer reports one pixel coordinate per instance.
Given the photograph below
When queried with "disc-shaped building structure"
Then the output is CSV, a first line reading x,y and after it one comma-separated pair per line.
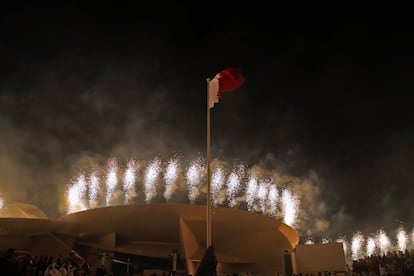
x,y
155,236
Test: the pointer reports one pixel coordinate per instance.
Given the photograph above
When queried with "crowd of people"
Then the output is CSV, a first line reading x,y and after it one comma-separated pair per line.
x,y
390,264
23,264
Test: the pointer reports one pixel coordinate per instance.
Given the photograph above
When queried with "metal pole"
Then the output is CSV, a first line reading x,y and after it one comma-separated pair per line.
x,y
208,203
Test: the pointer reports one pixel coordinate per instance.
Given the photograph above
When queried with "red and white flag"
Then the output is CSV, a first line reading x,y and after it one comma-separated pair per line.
x,y
227,80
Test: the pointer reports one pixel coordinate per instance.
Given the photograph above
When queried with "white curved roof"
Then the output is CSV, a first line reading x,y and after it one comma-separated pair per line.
x,y
22,210
239,237
243,241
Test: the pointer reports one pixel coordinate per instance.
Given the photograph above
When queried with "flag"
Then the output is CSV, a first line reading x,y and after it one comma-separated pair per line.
x,y
227,80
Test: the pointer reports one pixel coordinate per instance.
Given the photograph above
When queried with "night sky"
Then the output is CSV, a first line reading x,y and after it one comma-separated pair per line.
x,y
327,100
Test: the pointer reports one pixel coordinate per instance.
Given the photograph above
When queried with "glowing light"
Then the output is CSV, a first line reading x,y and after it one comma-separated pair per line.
x,y
111,181
251,191
1,203
262,196
370,246
151,176
193,177
383,241
309,241
356,245
412,236
289,207
129,181
273,198
93,190
402,239
217,182
75,195
170,176
326,240
233,184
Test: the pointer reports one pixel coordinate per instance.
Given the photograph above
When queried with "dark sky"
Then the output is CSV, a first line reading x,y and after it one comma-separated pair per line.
x,y
327,98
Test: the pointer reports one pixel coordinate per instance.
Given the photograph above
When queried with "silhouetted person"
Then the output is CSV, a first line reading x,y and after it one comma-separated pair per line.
x,y
208,264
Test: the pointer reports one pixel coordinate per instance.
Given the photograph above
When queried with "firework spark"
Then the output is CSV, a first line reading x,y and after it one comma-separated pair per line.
x,y
193,177
289,206
258,191
273,198
262,192
93,190
217,182
402,239
233,184
325,240
111,181
370,246
129,181
383,241
251,191
151,176
170,176
356,245
309,241
75,195
412,236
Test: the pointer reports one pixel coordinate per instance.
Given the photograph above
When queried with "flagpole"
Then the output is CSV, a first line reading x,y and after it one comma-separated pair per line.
x,y
208,203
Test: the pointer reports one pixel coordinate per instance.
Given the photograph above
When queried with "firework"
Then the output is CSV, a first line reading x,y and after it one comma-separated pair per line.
x,y
1,203
151,175
289,207
233,184
273,198
356,245
129,181
325,240
401,239
93,190
193,177
75,195
258,191
170,176
412,236
251,191
262,195
309,241
217,182
111,181
370,246
383,241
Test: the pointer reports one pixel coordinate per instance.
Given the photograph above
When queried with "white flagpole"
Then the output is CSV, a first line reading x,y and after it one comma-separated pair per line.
x,y
208,203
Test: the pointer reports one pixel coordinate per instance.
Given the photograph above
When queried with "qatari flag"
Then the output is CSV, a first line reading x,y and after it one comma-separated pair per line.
x,y
227,80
